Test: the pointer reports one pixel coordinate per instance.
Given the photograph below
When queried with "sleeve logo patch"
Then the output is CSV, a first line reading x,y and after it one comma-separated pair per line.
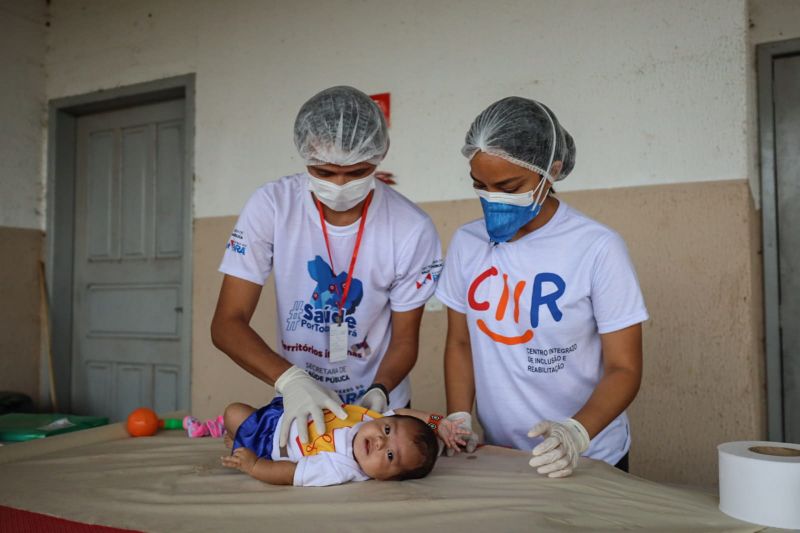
x,y
430,272
236,242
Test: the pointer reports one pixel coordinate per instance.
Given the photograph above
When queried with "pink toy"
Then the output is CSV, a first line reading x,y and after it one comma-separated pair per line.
x,y
214,427
194,428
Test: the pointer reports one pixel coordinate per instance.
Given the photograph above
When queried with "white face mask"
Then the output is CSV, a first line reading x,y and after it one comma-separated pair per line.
x,y
341,197
519,199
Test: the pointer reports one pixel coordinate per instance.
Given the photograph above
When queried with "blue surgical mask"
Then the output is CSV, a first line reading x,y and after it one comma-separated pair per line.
x,y
506,213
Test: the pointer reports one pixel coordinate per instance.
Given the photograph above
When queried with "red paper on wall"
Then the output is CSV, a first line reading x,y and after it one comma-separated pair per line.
x,y
384,102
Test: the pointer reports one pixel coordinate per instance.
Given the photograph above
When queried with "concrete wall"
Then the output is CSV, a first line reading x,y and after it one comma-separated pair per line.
x,y
22,50
703,378
20,311
774,20
659,96
22,108
653,92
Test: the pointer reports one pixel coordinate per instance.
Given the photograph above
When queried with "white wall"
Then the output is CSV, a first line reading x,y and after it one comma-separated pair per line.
x,y
22,50
653,91
774,20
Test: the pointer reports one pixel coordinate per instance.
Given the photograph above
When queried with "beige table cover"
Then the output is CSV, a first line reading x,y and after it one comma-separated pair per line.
x,y
170,483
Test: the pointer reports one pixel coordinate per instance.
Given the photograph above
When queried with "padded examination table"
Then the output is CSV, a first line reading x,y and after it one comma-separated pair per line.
x,y
171,483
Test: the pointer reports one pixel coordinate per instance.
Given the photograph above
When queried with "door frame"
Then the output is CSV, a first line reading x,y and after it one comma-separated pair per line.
x,y
63,114
766,54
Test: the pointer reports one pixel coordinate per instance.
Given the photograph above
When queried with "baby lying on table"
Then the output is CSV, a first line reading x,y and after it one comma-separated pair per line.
x,y
397,445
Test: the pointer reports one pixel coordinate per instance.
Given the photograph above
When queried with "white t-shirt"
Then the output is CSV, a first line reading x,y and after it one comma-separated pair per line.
x,y
323,468
535,309
398,265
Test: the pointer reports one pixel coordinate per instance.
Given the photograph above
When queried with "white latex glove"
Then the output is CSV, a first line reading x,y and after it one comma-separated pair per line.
x,y
374,400
465,421
303,396
564,442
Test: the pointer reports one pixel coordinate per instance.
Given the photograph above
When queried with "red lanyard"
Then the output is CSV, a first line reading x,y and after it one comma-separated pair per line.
x,y
355,250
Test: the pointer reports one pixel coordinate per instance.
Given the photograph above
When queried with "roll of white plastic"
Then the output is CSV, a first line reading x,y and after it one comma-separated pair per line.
x,y
759,482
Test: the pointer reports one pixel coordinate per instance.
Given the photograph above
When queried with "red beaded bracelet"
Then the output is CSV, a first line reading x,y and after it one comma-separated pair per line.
x,y
433,421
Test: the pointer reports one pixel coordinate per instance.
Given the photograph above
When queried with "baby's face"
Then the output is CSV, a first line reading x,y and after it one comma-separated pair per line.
x,y
384,448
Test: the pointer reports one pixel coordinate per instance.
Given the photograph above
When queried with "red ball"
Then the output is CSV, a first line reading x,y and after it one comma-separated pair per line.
x,y
143,422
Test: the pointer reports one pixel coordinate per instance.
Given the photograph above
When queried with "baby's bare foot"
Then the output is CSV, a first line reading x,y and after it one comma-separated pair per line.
x,y
228,440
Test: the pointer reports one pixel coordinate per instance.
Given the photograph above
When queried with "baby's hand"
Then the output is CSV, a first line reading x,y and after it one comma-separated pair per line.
x,y
451,433
242,459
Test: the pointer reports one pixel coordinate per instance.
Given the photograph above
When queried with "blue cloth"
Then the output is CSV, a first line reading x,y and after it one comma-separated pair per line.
x,y
258,429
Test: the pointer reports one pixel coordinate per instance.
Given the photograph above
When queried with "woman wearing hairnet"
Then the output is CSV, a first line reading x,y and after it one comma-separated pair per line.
x,y
354,263
544,308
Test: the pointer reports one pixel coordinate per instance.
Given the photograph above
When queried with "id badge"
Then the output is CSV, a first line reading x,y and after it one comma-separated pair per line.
x,y
338,341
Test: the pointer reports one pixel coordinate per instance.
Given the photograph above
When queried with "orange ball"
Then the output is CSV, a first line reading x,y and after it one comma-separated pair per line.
x,y
143,422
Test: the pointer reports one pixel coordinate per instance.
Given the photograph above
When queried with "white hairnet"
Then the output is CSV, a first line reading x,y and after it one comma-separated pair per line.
x,y
341,126
523,132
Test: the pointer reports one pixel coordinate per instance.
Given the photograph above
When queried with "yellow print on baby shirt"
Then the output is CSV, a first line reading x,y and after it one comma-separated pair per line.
x,y
324,442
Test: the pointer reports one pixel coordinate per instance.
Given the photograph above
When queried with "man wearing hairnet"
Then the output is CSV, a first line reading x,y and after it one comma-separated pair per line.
x,y
354,263
544,307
